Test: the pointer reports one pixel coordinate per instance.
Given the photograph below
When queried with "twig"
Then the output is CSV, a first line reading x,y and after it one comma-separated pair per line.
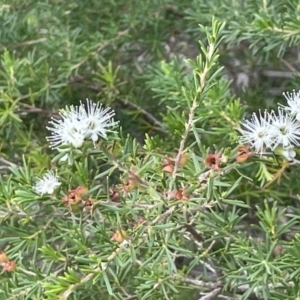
x,y
30,42
72,287
188,126
162,216
4,168
101,47
204,176
189,236
19,295
85,279
7,162
31,237
126,294
195,233
200,283
160,125
233,124
226,297
123,168
209,248
212,294
280,74
290,66
243,288
104,265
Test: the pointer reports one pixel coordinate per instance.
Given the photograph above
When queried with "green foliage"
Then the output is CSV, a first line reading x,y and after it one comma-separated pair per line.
x,y
162,209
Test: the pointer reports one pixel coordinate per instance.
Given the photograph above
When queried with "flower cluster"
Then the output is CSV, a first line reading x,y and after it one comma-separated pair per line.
x,y
47,184
273,130
78,124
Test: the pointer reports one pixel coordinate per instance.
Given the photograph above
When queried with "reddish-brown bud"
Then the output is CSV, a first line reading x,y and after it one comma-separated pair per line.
x,y
243,154
80,191
181,195
212,161
168,166
114,196
183,159
88,205
3,257
131,184
74,196
141,221
119,236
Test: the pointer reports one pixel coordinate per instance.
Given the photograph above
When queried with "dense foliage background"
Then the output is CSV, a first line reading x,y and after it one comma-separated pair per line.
x,y
235,234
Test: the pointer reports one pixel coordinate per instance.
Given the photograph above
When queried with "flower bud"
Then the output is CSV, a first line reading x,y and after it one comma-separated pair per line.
x,y
131,183
114,149
243,154
141,221
168,166
80,191
3,257
119,236
88,205
183,159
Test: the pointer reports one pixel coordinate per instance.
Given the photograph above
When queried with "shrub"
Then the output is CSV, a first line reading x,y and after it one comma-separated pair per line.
x,y
159,185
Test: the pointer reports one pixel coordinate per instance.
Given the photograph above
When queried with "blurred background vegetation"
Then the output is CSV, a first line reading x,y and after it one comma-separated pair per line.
x,y
131,55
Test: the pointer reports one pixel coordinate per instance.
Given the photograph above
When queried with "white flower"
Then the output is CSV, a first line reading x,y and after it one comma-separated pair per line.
x,y
293,101
98,120
67,131
285,128
258,131
78,124
47,184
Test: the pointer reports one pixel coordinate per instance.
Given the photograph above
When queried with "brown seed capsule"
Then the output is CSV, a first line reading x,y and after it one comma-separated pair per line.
x,y
88,205
74,196
180,195
114,196
132,183
132,180
8,266
212,161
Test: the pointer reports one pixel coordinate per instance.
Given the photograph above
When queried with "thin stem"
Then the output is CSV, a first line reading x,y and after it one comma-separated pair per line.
x,y
211,295
160,125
